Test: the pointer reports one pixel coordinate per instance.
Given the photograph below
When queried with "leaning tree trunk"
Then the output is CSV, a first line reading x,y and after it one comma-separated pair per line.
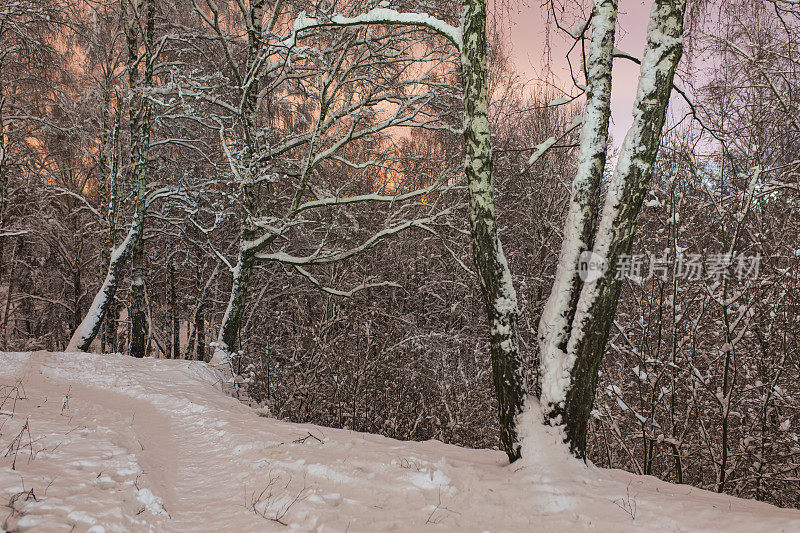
x,y
90,325
499,296
132,246
579,227
598,299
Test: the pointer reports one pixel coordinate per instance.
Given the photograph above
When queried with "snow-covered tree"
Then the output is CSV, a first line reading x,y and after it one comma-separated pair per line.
x,y
306,109
500,301
579,314
138,22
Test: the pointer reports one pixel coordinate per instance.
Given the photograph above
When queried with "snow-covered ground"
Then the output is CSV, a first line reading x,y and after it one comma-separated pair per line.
x,y
112,443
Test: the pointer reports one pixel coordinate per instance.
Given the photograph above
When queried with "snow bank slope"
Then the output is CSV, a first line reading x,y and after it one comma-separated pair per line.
x,y
119,444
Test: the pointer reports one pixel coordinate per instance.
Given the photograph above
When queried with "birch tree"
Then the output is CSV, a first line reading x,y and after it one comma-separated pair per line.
x,y
714,400
574,330
345,76
138,20
497,287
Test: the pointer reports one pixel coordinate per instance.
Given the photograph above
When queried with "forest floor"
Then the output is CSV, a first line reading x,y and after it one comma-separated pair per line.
x,y
112,443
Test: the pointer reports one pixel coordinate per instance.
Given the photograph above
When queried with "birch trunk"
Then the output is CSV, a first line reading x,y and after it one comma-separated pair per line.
x,y
572,389
228,340
90,325
109,188
140,117
555,323
499,296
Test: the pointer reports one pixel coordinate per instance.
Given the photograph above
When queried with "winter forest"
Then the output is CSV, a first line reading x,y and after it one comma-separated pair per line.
x,y
367,215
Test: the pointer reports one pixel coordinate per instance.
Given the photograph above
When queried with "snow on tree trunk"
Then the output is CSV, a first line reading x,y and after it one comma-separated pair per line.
x,y
228,341
90,325
140,118
499,296
572,390
110,212
555,323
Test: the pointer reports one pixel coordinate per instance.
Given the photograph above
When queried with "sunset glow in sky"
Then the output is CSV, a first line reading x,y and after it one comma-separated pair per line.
x,y
528,36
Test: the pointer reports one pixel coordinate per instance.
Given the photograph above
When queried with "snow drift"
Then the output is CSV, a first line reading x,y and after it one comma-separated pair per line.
x,y
111,443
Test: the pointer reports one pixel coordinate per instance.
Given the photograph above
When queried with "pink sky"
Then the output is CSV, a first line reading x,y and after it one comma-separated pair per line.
x,y
527,37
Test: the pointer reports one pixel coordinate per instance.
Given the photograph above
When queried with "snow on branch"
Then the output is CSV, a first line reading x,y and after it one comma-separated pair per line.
x,y
338,292
12,233
373,197
326,257
378,15
542,148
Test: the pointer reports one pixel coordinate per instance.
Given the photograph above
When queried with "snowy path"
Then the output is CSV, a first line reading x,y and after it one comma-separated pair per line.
x,y
119,444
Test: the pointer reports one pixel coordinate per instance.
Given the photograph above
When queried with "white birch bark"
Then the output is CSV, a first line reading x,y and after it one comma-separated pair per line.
x,y
500,298
554,325
571,388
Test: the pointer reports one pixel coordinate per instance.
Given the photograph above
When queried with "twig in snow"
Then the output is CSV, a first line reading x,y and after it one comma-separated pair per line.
x,y
267,503
439,507
12,393
65,401
17,444
627,504
302,440
14,505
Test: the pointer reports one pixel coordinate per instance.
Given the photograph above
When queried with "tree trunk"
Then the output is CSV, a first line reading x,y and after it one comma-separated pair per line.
x,y
109,190
499,296
10,292
3,174
173,322
228,340
138,315
579,227
112,327
140,116
85,333
573,389
77,314
200,328
132,245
